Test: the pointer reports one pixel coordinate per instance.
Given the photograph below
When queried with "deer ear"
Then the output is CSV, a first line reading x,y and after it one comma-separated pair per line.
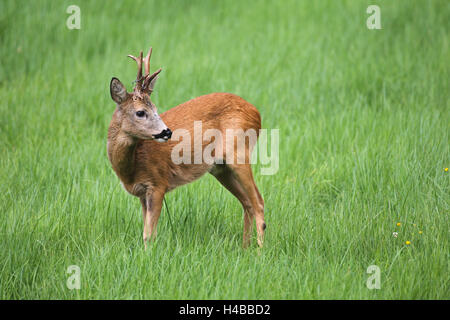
x,y
118,91
151,85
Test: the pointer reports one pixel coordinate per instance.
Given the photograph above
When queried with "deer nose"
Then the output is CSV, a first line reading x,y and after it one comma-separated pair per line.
x,y
163,135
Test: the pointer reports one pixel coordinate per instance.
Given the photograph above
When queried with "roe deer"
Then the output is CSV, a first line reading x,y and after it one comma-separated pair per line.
x,y
139,147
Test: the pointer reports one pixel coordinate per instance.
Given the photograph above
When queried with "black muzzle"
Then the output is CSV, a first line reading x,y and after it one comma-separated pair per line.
x,y
165,134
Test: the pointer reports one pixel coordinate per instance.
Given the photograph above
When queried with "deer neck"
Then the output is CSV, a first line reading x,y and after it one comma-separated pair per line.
x,y
122,154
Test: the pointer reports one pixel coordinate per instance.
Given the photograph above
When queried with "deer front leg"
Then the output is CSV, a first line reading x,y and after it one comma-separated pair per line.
x,y
144,209
153,204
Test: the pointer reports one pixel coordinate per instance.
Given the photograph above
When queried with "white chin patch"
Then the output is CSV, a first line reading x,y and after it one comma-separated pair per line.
x,y
161,140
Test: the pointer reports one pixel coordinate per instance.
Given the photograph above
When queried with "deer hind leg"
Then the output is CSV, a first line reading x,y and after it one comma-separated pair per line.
x,y
226,177
243,173
152,205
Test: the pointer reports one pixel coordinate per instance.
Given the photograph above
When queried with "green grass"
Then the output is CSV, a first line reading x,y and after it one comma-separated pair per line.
x,y
364,139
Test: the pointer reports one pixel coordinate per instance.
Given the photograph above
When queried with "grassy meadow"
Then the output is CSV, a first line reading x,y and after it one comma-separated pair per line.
x,y
363,118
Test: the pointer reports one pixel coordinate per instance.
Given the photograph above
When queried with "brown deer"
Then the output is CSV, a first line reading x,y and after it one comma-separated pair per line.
x,y
139,148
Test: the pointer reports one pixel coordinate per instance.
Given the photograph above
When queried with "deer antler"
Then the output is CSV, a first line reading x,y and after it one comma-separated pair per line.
x,y
147,62
139,73
142,82
148,77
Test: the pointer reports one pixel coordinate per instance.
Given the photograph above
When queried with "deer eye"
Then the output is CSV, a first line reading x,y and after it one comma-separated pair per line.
x,y
140,114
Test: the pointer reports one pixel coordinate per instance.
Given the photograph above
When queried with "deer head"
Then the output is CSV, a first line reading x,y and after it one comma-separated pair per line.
x,y
139,117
